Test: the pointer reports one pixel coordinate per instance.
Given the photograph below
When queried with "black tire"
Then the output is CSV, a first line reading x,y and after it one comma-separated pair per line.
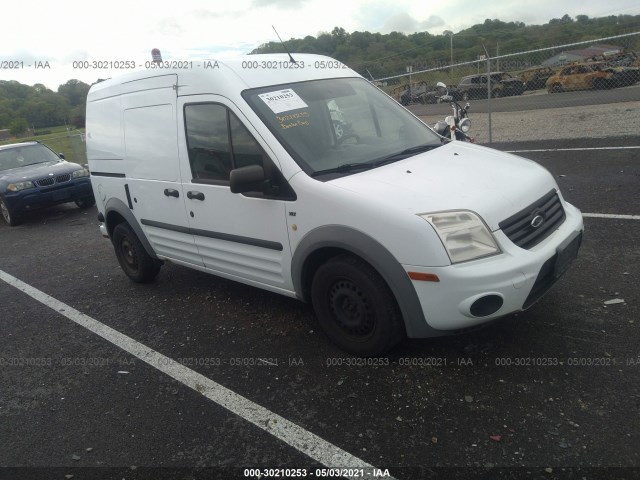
x,y
85,202
555,88
8,215
600,84
355,307
138,265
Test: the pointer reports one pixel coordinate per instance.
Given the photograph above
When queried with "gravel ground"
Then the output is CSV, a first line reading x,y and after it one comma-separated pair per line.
x,y
592,121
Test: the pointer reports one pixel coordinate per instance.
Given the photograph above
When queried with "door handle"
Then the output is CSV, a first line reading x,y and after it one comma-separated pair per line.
x,y
170,192
195,195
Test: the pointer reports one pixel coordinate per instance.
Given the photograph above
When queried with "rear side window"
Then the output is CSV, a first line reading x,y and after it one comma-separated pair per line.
x,y
218,142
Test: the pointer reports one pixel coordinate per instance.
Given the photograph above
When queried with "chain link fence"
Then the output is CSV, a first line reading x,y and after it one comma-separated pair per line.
x,y
569,91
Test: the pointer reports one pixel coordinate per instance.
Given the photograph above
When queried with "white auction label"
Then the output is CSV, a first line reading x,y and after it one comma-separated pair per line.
x,y
283,100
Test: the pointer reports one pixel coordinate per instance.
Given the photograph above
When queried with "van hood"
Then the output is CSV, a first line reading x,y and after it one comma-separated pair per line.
x,y
455,176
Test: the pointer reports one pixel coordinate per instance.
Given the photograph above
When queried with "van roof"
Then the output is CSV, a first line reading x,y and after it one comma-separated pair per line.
x,y
242,72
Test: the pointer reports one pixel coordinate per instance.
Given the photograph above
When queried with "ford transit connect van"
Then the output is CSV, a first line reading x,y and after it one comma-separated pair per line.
x,y
306,180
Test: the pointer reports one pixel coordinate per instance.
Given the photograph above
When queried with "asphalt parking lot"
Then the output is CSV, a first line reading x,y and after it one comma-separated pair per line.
x,y
553,392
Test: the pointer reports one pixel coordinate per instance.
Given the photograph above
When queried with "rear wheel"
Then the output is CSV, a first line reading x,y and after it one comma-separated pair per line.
x,y
355,307
132,257
555,88
8,214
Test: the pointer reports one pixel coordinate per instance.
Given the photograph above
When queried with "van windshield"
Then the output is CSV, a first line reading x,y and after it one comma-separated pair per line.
x,y
340,126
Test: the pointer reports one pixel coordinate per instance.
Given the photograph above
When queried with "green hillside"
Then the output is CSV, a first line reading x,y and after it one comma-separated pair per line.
x,y
389,54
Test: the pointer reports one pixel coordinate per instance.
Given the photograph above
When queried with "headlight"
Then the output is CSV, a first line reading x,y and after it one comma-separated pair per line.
x,y
80,173
465,125
463,234
16,187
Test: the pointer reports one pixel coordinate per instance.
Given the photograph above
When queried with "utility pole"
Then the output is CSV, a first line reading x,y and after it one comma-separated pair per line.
x,y
450,33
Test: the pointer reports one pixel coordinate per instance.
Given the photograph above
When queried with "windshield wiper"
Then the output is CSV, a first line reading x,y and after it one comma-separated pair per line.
x,y
345,167
350,167
408,152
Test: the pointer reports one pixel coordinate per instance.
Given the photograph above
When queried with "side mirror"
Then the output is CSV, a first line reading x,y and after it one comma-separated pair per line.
x,y
61,155
247,179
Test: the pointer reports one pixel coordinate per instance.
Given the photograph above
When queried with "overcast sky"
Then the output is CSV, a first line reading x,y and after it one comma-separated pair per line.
x,y
64,31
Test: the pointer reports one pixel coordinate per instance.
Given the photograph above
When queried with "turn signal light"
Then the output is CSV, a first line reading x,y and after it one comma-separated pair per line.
x,y
424,277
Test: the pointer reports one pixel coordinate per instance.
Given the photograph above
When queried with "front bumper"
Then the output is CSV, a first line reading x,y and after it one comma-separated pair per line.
x,y
471,293
39,197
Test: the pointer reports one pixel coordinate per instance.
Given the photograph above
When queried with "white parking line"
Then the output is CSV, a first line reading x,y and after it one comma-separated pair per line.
x,y
572,149
302,440
611,215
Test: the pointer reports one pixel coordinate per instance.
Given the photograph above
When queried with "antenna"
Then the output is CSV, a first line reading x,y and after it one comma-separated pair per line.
x,y
283,44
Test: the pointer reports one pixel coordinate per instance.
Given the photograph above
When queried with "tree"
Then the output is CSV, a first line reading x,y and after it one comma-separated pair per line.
x,y
18,126
75,92
78,115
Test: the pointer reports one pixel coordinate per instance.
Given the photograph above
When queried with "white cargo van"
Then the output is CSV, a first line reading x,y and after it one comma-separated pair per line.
x,y
306,180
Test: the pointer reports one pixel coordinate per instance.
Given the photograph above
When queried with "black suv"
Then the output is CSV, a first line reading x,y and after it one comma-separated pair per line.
x,y
502,85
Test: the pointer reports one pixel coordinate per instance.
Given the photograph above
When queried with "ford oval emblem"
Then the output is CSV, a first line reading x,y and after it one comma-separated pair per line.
x,y
537,221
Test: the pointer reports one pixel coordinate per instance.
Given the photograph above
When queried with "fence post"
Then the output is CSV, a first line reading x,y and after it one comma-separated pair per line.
x,y
488,90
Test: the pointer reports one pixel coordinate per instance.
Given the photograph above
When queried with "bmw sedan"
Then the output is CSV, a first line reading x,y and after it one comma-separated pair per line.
x,y
33,176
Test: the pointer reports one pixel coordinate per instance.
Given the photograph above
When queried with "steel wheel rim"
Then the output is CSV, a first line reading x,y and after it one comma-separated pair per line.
x,y
129,254
351,308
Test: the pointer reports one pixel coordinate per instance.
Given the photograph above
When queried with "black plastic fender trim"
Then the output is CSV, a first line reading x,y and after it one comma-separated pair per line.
x,y
370,250
118,206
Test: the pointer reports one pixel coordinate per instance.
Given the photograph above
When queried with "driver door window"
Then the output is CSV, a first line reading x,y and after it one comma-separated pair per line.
x,y
218,142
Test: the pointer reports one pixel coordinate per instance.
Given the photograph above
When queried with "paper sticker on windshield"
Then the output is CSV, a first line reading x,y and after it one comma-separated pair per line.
x,y
282,100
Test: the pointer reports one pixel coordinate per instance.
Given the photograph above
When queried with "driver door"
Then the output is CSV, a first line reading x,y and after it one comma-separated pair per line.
x,y
239,236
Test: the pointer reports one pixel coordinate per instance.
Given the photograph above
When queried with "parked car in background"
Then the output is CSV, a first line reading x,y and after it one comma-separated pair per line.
x,y
620,76
536,78
580,77
33,176
503,84
417,93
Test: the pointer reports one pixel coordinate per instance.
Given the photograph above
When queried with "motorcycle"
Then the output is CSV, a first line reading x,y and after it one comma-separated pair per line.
x,y
454,126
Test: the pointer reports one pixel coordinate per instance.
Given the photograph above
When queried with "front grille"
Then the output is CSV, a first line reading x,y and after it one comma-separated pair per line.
x,y
48,181
519,228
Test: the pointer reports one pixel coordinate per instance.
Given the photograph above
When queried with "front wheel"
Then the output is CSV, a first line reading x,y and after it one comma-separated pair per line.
x,y
132,257
355,307
8,215
601,84
85,202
